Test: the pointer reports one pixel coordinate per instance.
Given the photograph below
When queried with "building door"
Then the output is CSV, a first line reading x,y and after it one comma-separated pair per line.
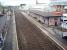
x,y
55,23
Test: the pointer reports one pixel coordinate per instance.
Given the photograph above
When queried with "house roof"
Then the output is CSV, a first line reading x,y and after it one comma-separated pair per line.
x,y
59,3
46,14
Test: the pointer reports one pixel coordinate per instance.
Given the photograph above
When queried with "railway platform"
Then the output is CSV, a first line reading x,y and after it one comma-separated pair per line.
x,y
50,33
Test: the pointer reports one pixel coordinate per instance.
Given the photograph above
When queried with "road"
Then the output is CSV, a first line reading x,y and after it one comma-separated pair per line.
x,y
29,36
9,36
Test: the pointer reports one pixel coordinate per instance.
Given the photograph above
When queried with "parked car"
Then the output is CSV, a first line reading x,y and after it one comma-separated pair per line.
x,y
64,22
64,26
64,35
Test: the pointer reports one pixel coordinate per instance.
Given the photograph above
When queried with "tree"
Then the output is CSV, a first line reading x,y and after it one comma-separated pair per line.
x,y
22,4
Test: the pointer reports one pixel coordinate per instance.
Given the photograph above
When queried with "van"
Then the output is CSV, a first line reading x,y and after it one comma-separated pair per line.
x,y
64,22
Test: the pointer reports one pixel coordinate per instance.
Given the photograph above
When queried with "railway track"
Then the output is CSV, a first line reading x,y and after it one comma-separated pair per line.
x,y
30,37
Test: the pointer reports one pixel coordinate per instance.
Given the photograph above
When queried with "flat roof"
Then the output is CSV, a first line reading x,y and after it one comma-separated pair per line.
x,y
45,14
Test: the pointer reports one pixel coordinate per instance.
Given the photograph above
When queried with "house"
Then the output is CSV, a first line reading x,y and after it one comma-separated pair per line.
x,y
47,18
58,5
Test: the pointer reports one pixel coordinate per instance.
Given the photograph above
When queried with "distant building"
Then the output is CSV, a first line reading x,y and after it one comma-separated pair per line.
x,y
58,5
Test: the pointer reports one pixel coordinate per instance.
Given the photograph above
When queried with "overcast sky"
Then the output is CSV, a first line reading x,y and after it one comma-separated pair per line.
x,y
17,2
